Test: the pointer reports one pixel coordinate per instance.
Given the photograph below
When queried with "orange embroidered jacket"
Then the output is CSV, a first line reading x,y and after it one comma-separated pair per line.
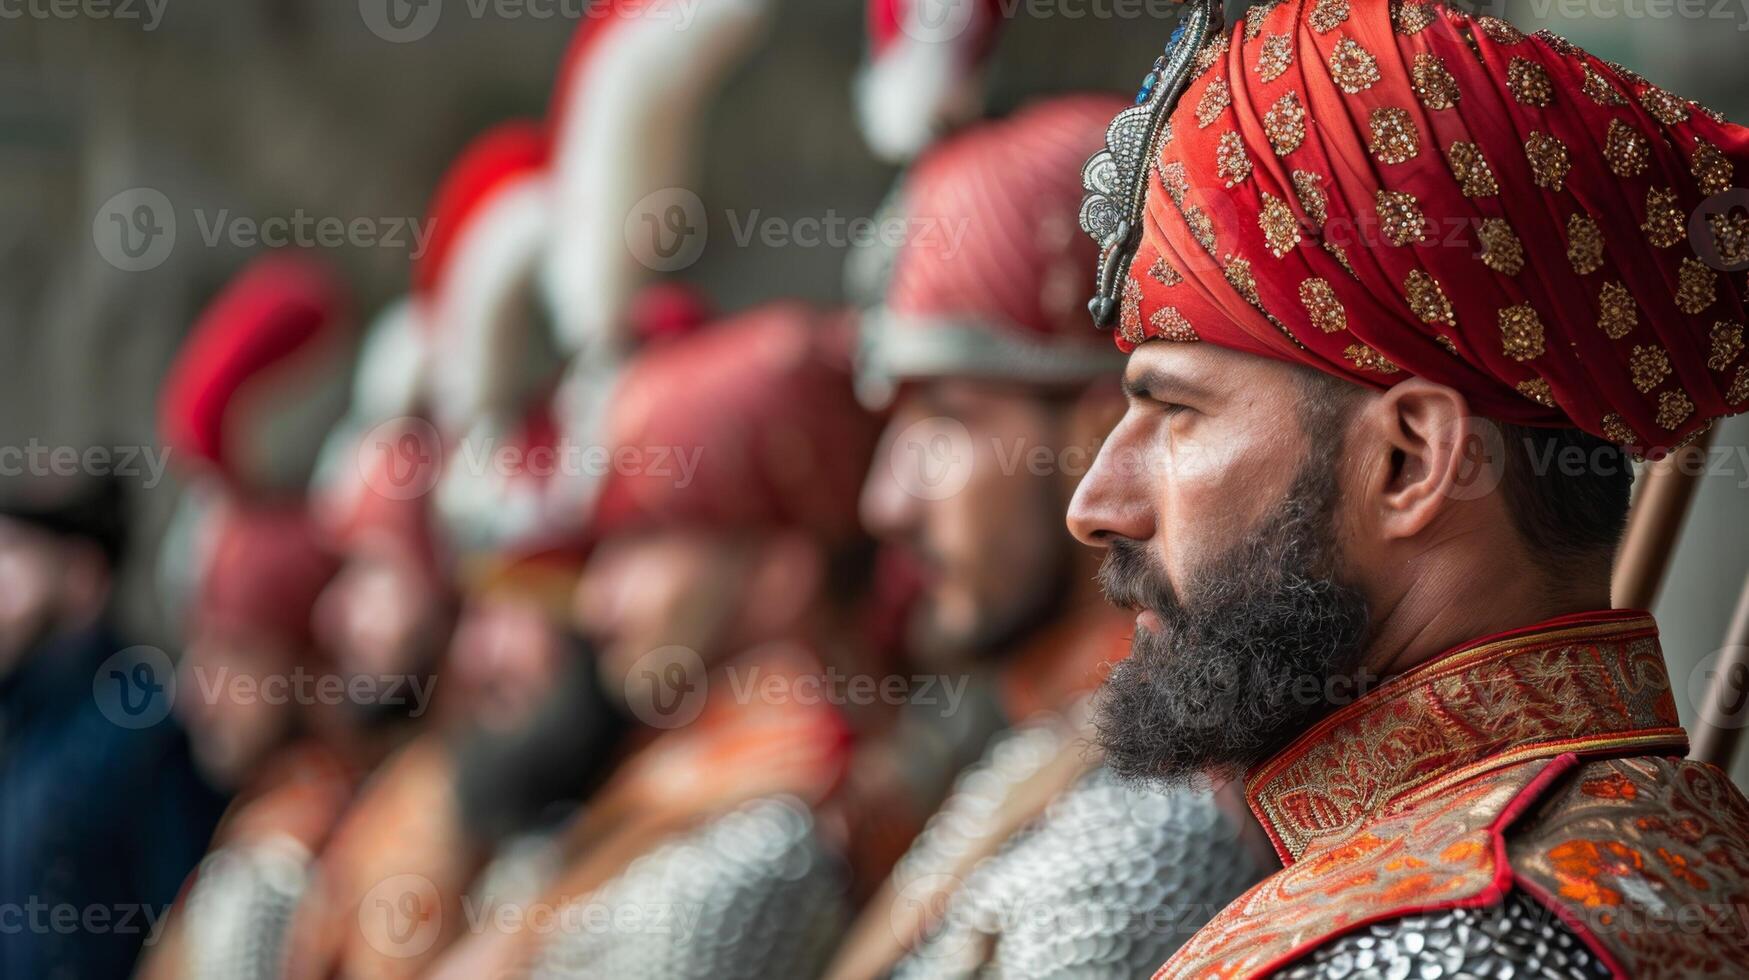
x,y
1542,763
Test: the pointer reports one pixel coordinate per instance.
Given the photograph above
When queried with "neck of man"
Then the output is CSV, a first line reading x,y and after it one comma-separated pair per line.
x,y
1454,594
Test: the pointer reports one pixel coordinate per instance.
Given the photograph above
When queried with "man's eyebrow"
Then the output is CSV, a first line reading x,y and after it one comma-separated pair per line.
x,y
1161,385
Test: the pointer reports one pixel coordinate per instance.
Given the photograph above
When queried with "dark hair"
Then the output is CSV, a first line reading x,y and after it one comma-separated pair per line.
x,y
1566,489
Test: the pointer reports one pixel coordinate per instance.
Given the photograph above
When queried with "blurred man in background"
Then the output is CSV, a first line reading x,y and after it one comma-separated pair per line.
x,y
258,691
1000,400
102,812
720,585
387,617
392,611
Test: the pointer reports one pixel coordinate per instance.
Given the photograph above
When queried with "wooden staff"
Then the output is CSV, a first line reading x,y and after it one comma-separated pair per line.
x,y
1655,523
1725,710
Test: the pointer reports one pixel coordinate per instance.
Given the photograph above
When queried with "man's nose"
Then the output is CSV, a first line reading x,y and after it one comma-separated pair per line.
x,y
1110,502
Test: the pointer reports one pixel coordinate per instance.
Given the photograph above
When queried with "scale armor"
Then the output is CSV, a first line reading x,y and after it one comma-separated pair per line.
x,y
1109,882
240,910
751,894
1519,940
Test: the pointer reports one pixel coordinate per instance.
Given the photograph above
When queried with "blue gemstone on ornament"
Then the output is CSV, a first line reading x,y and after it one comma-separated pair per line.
x,y
1177,32
1147,88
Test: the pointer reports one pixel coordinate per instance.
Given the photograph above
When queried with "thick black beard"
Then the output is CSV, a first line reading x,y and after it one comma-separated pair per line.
x,y
516,781
1246,657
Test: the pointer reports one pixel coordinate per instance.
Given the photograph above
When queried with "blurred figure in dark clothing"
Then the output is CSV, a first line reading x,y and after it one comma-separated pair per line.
x,y
102,814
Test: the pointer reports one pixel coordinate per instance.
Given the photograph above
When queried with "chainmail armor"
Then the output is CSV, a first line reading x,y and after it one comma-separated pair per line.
x,y
965,818
1518,940
240,910
752,894
1108,883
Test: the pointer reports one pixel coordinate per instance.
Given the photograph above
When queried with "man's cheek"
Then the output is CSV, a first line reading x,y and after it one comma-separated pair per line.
x,y
1190,448
953,536
1198,517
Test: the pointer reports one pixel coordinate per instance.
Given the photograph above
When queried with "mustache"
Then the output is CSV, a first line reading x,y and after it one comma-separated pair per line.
x,y
1129,578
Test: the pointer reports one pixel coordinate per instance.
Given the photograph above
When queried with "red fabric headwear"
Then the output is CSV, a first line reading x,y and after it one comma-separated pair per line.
x,y
498,160
264,568
991,279
924,73
491,220
380,500
260,562
1381,190
275,326
762,406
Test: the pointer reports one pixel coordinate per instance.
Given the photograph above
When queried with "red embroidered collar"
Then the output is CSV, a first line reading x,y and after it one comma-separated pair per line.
x,y
1589,683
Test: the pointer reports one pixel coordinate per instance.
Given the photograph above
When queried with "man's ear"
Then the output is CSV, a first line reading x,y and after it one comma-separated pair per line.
x,y
1425,450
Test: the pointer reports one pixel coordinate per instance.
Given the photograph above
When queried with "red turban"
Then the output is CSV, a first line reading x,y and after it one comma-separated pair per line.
x,y
753,423
260,347
377,501
264,569
1381,190
990,281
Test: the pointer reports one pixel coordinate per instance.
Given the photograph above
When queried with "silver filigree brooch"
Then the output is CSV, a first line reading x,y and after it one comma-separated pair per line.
x,y
1115,179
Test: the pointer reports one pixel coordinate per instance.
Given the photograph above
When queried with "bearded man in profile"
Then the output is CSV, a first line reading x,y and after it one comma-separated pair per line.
x,y
1363,583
